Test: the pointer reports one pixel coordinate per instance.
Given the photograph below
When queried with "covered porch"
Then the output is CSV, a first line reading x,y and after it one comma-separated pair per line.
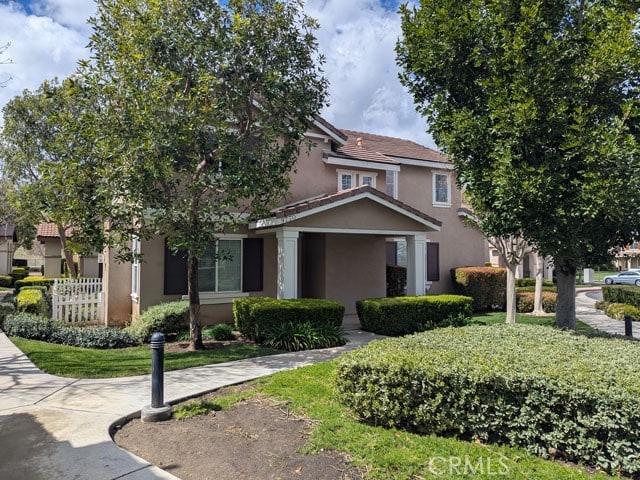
x,y
334,246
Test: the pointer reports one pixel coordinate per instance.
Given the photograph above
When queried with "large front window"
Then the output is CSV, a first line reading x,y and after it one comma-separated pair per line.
x,y
220,268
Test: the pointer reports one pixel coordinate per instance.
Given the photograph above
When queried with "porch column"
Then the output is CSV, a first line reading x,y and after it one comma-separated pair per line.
x,y
416,264
287,263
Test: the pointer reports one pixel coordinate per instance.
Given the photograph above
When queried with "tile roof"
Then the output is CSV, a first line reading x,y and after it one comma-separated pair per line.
x,y
360,153
50,230
310,204
392,146
7,230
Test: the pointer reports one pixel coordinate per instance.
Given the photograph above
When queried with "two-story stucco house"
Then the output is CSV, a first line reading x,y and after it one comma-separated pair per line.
x,y
357,202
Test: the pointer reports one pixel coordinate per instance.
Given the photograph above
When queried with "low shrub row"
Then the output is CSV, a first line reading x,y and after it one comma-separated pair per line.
x,y
545,288
404,315
486,285
37,327
6,280
525,301
548,391
621,294
619,310
255,316
31,300
33,281
168,318
531,282
7,307
18,273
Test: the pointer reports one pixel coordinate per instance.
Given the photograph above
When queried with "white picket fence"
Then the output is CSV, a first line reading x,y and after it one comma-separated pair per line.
x,y
78,300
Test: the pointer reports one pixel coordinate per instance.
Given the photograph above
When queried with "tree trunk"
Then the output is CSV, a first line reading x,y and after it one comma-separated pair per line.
x,y
68,255
537,299
511,293
195,327
566,305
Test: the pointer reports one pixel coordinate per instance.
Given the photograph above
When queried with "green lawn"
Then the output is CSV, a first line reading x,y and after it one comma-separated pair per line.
x,y
92,363
599,276
395,454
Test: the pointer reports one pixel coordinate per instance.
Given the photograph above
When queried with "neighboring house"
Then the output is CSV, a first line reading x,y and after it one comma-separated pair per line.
x,y
628,257
357,201
8,241
47,234
527,268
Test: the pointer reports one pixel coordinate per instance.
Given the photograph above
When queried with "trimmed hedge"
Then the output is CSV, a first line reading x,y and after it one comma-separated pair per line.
x,y
31,301
6,280
545,288
531,282
396,281
486,285
404,315
621,294
168,318
619,310
525,301
528,386
255,316
33,281
18,273
41,328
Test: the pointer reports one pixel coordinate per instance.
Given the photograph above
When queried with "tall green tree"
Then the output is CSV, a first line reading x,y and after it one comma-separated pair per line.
x,y
536,102
203,107
49,164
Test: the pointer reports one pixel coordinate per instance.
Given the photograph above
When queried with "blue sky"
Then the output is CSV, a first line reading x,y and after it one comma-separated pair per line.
x,y
357,37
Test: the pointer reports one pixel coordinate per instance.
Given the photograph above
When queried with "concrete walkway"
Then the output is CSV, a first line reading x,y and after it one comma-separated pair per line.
x,y
58,428
586,312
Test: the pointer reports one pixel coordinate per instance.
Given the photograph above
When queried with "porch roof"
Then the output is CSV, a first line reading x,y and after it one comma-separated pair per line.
x,y
304,208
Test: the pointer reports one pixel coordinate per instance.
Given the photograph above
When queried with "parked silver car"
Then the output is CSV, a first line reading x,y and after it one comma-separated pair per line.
x,y
630,277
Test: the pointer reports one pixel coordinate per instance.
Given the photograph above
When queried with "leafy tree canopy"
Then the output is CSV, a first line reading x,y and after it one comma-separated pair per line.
x,y
536,102
201,112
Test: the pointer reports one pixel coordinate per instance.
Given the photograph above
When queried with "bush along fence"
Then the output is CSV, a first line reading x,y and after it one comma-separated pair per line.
x,y
77,300
404,315
534,387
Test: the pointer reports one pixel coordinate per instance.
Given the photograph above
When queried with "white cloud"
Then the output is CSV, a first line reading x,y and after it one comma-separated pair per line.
x,y
40,49
357,37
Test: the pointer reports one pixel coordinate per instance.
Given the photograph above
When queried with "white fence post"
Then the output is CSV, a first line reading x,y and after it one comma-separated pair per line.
x,y
77,300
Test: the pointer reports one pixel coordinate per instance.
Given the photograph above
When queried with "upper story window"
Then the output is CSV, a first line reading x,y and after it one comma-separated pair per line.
x,y
220,268
350,178
392,183
441,190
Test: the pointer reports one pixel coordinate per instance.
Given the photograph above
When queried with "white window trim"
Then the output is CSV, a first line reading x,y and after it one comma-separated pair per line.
x,y
395,182
356,178
433,187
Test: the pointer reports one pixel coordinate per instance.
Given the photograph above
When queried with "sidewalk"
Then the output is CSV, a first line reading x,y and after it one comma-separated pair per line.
x,y
58,428
586,312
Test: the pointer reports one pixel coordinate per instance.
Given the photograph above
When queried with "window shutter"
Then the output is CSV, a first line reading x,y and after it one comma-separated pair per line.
x,y
252,260
392,253
433,262
175,272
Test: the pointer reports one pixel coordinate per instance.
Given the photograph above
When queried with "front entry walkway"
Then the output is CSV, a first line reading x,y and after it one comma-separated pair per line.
x,y
54,427
587,313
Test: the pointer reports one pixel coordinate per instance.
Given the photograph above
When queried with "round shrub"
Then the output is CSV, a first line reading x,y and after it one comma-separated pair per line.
x,y
528,386
168,318
31,301
222,331
525,301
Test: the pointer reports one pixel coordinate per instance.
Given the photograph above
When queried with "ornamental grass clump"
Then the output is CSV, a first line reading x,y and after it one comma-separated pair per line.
x,y
553,393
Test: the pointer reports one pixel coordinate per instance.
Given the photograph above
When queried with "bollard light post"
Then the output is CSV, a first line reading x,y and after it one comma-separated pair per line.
x,y
628,326
158,410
